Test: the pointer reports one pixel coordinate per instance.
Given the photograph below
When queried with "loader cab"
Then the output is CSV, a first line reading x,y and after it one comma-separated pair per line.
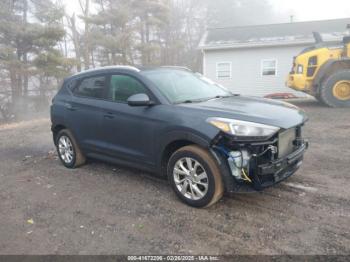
x,y
346,42
308,62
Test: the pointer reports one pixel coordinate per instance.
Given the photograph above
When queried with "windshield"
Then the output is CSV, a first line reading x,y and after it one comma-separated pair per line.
x,y
184,87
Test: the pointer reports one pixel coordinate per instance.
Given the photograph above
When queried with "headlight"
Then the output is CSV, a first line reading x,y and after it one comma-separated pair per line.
x,y
243,129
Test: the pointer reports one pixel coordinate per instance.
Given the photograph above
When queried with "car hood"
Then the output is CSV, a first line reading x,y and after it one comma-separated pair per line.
x,y
258,110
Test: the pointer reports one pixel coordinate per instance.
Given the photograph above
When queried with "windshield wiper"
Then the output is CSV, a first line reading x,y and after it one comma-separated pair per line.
x,y
190,101
219,96
187,102
222,96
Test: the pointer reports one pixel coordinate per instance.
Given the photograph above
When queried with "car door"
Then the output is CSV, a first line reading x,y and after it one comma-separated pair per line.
x,y
84,111
129,132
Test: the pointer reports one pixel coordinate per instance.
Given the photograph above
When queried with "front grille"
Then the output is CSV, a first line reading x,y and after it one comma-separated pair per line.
x,y
286,143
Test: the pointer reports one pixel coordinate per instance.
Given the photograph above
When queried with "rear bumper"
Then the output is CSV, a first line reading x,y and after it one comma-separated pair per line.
x,y
300,83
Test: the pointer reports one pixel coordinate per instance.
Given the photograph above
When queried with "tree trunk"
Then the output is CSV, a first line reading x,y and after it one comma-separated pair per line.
x,y
93,59
19,73
13,79
75,39
87,36
114,58
25,54
143,41
25,75
148,55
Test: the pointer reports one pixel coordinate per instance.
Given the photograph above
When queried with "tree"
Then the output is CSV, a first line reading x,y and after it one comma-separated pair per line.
x,y
75,39
151,17
128,32
112,32
49,64
185,27
24,41
12,46
85,8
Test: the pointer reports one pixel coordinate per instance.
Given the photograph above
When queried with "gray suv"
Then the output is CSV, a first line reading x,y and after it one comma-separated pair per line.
x,y
179,125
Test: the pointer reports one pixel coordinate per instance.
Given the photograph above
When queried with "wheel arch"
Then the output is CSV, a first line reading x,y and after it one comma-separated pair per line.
x,y
174,141
327,69
56,129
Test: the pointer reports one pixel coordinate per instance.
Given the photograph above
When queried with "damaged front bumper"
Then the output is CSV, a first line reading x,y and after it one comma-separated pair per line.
x,y
261,164
275,171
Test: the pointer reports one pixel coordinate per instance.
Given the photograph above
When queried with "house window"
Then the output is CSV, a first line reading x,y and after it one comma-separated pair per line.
x,y
223,70
269,67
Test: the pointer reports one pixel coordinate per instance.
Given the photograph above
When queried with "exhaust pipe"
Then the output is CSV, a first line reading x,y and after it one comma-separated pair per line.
x,y
317,37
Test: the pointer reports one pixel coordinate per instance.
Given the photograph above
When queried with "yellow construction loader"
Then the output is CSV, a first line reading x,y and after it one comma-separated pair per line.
x,y
323,71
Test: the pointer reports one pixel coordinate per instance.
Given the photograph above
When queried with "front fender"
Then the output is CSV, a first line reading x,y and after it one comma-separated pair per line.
x,y
179,135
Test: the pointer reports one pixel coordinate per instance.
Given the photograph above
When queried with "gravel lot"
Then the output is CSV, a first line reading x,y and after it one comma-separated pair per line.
x,y
106,209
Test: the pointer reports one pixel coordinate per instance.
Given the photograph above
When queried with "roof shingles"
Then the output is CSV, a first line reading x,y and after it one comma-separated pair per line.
x,y
274,34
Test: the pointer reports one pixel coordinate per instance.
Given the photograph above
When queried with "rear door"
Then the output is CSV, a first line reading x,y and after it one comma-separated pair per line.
x,y
84,111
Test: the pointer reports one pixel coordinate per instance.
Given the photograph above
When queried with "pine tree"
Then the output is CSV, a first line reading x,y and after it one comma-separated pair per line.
x,y
151,17
112,32
30,32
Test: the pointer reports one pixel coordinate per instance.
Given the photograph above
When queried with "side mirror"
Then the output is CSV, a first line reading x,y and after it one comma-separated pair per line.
x,y
139,100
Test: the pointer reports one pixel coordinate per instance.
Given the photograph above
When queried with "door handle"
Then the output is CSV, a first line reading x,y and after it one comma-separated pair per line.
x,y
109,115
70,107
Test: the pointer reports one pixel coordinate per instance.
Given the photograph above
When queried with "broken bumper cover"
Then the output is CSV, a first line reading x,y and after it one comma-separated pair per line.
x,y
280,169
263,175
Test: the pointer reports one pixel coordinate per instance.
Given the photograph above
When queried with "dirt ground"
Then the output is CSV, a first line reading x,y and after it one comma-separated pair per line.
x,y
106,209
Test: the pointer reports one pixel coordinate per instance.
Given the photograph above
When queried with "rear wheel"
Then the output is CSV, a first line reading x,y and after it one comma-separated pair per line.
x,y
335,91
195,176
68,150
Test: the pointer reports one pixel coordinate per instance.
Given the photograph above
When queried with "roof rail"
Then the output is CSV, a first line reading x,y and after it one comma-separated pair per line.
x,y
178,67
108,67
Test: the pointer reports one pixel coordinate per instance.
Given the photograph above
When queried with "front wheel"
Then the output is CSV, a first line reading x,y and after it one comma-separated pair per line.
x,y
335,91
195,176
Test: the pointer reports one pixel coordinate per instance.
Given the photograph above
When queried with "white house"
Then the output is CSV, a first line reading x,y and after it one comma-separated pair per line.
x,y
255,60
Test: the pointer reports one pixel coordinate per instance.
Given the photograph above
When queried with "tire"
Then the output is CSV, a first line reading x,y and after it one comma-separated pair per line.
x,y
77,158
318,97
327,91
202,163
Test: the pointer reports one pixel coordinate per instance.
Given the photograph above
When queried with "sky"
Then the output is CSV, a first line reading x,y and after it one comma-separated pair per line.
x,y
306,10
302,10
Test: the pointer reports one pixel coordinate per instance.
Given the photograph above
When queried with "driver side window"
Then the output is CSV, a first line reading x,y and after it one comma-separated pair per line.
x,y
122,87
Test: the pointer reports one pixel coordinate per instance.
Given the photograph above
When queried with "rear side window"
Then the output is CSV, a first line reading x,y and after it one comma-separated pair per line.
x,y
93,87
72,84
123,86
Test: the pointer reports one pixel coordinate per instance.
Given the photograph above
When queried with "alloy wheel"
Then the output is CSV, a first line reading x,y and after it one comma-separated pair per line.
x,y
190,178
65,148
